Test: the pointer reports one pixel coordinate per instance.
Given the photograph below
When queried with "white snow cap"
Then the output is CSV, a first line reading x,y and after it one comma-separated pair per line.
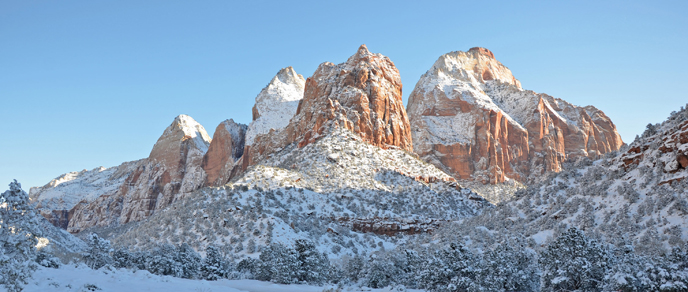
x,y
191,129
276,104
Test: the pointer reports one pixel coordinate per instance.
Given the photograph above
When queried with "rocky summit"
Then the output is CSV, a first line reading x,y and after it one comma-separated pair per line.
x,y
362,94
471,118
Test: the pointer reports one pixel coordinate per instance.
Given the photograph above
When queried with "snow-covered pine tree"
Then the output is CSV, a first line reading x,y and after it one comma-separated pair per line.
x,y
278,264
452,269
573,262
189,261
98,253
314,266
508,269
214,266
18,238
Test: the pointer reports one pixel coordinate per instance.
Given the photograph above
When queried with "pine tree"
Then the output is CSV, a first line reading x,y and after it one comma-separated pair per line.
x,y
573,262
214,266
98,253
18,238
313,265
189,262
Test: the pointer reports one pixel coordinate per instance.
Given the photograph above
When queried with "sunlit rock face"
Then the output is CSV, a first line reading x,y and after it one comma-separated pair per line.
x,y
362,94
471,118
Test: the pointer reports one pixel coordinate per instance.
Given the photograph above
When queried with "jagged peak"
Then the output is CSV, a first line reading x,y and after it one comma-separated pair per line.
x,y
477,65
482,51
276,103
183,127
287,76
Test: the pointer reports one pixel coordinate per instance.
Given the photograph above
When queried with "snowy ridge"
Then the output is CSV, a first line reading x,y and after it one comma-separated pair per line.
x,y
65,191
329,192
276,104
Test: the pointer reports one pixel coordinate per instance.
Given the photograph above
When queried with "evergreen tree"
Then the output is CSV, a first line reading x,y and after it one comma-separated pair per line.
x,y
98,253
452,269
214,266
18,238
313,265
189,262
573,262
278,264
508,269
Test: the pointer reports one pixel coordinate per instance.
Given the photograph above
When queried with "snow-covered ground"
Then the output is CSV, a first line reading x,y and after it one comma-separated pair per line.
x,y
81,278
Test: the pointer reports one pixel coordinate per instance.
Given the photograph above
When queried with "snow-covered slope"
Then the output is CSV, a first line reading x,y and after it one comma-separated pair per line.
x,y
345,195
55,199
276,104
637,196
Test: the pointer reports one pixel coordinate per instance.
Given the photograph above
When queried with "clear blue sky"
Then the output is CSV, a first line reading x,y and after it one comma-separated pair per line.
x,y
94,83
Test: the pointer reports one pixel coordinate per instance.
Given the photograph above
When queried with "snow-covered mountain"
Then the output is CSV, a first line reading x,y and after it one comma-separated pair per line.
x,y
133,190
471,118
343,194
56,199
276,104
636,196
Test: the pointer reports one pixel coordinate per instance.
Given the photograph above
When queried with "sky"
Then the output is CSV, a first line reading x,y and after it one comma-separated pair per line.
x,y
85,84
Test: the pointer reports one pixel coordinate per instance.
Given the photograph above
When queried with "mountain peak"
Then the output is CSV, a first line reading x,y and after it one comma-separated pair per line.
x,y
183,128
476,66
287,75
482,51
276,103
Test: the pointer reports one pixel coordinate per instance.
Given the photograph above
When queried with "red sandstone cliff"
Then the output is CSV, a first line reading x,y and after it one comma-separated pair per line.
x,y
471,117
362,94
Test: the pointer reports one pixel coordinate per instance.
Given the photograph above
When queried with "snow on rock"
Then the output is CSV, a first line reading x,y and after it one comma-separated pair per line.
x,y
225,149
628,196
56,199
134,190
471,118
276,104
351,204
362,94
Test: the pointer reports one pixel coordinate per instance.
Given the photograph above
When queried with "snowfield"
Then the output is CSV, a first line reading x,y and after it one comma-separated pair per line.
x,y
81,278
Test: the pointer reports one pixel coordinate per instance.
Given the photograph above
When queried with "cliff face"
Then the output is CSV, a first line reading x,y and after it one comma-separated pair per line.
x,y
362,94
472,118
172,170
225,149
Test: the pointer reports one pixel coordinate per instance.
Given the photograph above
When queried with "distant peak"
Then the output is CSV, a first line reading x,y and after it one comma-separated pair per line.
x,y
482,51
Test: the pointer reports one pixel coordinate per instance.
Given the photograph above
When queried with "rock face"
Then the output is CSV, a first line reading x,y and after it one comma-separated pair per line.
x,y
472,118
225,149
134,190
173,170
362,95
663,146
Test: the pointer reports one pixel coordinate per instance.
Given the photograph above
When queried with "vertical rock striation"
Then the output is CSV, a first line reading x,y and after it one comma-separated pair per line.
x,y
471,118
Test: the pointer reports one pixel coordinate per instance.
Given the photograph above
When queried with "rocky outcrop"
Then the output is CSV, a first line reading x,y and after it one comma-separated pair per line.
x,y
471,118
362,94
663,146
172,171
225,149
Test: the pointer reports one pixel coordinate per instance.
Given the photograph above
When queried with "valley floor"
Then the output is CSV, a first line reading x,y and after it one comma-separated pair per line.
x,y
81,278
